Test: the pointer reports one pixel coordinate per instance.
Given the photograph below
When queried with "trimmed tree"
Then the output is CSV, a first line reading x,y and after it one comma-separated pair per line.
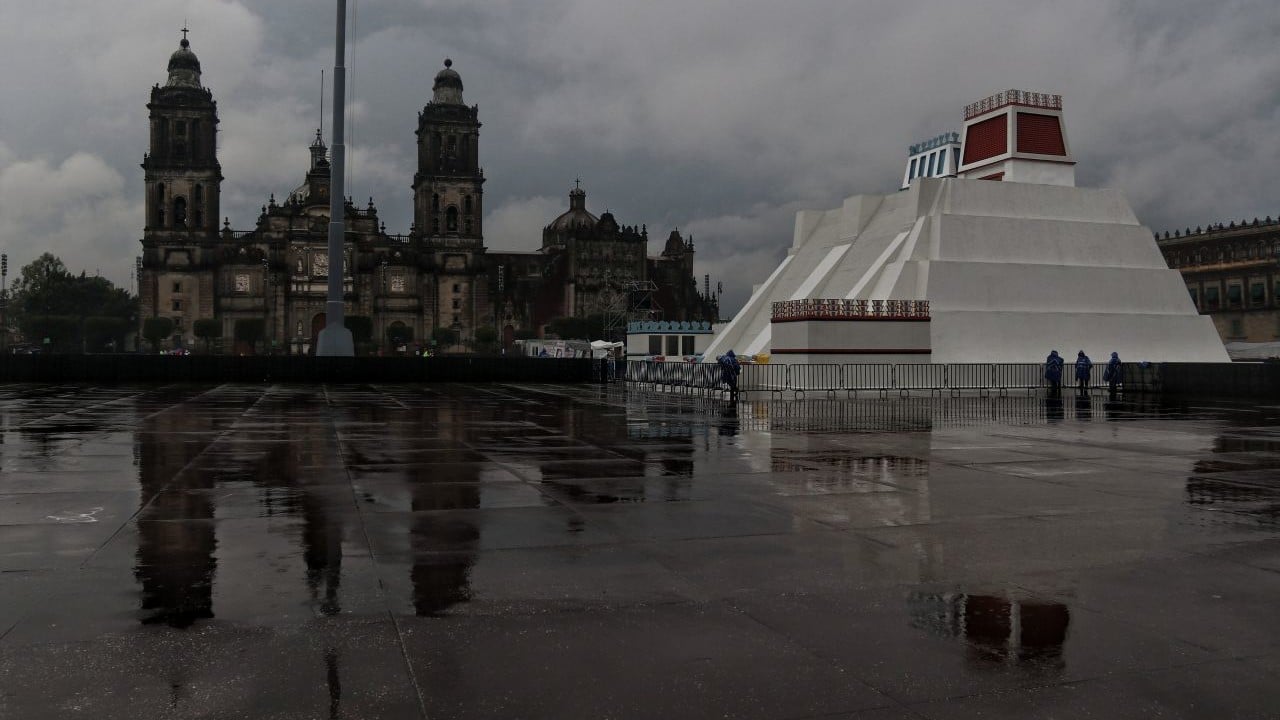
x,y
361,327
251,330
399,334
104,333
444,337
208,330
155,329
486,339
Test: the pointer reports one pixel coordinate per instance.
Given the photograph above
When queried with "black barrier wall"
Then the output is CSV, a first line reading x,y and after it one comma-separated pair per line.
x,y
1260,381
289,368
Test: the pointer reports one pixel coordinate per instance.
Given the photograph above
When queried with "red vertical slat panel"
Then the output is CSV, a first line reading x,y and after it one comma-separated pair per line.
x,y
986,139
1040,134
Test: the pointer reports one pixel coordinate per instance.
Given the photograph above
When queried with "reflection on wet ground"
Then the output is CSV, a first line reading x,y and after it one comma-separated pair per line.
x,y
537,551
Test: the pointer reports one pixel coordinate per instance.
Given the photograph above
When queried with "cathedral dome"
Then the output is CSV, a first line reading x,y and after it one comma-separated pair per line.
x,y
576,216
447,87
184,67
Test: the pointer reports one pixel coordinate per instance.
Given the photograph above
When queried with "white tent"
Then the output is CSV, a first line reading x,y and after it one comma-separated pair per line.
x,y
601,348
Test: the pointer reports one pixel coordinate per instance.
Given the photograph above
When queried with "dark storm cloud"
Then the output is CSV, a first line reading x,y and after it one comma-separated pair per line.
x,y
720,117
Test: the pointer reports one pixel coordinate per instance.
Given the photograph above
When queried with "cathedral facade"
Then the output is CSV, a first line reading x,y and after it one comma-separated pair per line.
x,y
268,285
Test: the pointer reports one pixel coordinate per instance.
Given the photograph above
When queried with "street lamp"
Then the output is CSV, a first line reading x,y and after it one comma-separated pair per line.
x,y
4,301
268,288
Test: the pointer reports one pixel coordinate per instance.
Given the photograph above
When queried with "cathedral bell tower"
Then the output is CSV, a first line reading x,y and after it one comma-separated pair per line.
x,y
183,184
448,209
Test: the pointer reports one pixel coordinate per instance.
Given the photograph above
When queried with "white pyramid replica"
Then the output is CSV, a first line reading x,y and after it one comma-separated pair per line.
x,y
1013,259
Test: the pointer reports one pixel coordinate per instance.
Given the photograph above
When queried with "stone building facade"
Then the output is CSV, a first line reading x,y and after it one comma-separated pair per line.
x,y
438,275
1232,273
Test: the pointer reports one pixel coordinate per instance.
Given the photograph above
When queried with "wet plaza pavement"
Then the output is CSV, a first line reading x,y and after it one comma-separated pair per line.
x,y
531,551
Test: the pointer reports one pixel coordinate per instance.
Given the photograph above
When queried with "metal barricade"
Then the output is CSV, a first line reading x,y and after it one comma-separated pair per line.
x,y
910,378
969,376
681,374
1095,376
1141,377
705,378
828,378
763,378
1017,376
868,377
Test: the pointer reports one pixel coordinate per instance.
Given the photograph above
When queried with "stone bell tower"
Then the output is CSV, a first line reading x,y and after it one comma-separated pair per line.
x,y
448,205
183,184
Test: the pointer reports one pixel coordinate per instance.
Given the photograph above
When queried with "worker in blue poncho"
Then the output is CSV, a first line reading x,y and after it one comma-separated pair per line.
x,y
729,370
1083,367
1053,372
1114,374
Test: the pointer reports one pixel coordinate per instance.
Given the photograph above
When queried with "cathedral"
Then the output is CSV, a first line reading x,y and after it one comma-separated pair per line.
x,y
267,286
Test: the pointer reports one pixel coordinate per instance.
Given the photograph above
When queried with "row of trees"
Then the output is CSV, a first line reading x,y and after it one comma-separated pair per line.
x,y
252,331
63,312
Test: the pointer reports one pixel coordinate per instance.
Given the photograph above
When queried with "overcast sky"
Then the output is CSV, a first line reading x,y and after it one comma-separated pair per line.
x,y
721,117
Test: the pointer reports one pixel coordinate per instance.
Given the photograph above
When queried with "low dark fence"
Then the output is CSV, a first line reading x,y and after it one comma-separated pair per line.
x,y
290,368
1260,381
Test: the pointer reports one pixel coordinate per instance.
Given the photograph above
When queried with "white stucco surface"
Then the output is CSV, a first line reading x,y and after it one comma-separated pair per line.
x,y
1011,271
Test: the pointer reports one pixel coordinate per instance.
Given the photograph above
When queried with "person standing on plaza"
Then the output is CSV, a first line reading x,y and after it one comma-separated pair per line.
x,y
1114,374
729,369
1083,367
1053,372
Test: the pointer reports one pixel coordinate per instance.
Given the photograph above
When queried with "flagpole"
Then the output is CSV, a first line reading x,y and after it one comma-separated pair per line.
x,y
335,339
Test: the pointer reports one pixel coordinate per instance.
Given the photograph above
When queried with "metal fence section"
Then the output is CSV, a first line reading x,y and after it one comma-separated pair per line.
x,y
920,377
1017,376
868,377
828,378
773,379
882,378
970,376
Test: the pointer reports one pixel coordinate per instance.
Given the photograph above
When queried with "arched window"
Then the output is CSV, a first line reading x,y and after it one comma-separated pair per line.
x,y
451,219
159,204
199,194
435,202
179,212
467,204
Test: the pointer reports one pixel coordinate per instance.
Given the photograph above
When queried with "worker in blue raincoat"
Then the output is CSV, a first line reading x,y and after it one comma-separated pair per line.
x,y
1114,374
1083,366
729,370
1053,371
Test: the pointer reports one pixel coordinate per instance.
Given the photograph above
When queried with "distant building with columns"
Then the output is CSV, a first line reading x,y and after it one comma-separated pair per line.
x,y
1232,273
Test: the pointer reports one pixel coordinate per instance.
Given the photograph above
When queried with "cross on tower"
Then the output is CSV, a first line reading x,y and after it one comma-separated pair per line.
x,y
577,183
184,31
